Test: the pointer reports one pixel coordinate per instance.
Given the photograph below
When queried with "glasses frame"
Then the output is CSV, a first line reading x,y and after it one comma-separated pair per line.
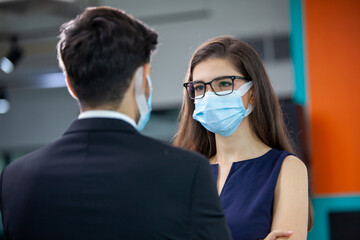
x,y
210,83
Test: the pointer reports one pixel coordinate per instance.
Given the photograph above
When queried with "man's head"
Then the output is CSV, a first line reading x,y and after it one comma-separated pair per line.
x,y
99,52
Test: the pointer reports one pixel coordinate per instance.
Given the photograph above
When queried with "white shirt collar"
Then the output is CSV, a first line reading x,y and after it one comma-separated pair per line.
x,y
107,114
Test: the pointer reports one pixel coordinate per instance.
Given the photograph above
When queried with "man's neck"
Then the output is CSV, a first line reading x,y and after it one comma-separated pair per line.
x,y
120,109
100,113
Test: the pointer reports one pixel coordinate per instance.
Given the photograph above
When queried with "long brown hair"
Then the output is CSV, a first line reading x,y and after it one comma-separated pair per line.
x,y
266,119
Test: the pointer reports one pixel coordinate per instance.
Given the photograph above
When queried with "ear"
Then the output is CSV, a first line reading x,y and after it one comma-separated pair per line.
x,y
146,72
252,98
69,87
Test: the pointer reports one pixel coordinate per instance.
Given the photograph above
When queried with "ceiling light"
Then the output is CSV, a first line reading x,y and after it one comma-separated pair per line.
x,y
4,103
9,61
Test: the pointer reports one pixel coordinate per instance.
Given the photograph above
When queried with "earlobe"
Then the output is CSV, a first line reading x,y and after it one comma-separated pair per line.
x,y
252,99
70,88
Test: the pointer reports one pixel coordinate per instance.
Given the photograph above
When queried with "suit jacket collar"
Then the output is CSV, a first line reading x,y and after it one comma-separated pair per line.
x,y
100,124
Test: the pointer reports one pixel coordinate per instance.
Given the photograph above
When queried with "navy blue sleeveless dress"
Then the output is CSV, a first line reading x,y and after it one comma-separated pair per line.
x,y
248,194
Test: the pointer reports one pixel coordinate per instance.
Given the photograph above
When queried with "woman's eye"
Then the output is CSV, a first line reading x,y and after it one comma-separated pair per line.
x,y
224,84
199,88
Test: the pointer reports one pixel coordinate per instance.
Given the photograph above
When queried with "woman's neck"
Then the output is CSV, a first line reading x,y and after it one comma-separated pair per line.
x,y
242,145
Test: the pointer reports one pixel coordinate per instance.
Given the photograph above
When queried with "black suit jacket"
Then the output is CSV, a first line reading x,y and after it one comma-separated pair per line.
x,y
104,180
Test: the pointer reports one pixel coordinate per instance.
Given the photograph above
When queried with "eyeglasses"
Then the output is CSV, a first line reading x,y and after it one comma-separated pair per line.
x,y
220,86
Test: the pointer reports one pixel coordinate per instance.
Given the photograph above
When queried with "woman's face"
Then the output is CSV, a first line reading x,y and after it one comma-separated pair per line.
x,y
210,69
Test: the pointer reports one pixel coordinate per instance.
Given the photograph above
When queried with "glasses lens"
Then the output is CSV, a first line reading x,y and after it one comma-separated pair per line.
x,y
196,89
222,86
190,90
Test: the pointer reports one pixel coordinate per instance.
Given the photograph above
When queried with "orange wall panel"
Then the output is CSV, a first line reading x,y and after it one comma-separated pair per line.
x,y
332,31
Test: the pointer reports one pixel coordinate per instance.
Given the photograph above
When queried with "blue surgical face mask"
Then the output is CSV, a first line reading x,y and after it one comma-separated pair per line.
x,y
222,114
143,105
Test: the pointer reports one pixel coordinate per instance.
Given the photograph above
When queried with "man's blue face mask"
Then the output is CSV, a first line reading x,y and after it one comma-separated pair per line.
x,y
222,114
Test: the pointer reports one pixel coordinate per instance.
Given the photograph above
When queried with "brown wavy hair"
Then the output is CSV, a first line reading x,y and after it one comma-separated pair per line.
x,y
266,119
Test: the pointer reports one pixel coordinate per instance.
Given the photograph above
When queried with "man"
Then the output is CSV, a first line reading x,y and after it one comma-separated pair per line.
x,y
102,179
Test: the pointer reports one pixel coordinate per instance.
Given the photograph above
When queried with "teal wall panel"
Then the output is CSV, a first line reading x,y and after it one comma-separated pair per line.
x,y
323,206
297,51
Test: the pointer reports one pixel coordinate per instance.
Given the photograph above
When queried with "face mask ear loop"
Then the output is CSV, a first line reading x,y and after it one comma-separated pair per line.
x,y
150,93
249,109
245,88
139,95
149,83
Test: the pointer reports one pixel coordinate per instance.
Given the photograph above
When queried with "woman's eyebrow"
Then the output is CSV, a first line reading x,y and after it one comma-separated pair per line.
x,y
220,77
198,80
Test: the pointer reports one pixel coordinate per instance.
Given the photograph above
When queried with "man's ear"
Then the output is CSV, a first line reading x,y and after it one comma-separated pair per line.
x,y
146,72
69,87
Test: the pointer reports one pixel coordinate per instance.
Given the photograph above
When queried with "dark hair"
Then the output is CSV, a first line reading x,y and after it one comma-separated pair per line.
x,y
100,51
266,119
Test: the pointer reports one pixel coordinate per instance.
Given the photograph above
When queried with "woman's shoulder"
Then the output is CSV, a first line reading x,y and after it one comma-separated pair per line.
x,y
293,163
292,179
287,158
287,164
293,171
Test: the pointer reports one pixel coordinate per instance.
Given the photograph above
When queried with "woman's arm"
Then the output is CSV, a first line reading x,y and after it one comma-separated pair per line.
x,y
291,199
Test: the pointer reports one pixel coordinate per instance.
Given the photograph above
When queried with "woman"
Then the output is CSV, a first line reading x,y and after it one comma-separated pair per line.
x,y
231,115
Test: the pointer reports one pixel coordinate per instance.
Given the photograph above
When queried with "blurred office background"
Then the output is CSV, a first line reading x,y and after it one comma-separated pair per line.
x,y
310,50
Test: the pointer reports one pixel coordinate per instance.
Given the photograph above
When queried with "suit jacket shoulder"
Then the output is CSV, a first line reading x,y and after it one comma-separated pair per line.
x,y
103,180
